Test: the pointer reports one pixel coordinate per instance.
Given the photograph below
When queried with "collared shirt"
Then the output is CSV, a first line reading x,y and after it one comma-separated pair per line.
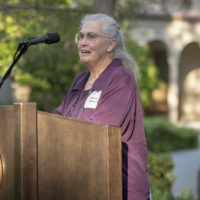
x,y
114,100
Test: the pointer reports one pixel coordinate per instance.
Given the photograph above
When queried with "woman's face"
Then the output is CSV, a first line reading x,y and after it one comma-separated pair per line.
x,y
93,47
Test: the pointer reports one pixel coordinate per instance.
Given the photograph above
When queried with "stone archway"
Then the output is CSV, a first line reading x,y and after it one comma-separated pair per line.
x,y
189,83
159,54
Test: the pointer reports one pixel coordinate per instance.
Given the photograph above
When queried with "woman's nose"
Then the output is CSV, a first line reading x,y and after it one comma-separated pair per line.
x,y
84,40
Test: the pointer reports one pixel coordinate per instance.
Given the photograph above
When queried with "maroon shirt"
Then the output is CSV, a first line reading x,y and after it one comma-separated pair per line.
x,y
114,100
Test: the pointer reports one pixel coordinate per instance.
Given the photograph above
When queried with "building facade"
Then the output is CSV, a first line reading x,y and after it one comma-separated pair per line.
x,y
173,35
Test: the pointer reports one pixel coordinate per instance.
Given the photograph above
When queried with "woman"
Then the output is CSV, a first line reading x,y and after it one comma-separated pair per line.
x,y
108,94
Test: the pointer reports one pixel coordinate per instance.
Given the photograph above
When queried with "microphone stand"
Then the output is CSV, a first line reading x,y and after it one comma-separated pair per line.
x,y
22,48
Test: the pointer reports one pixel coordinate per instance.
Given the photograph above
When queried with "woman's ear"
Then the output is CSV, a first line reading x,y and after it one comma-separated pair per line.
x,y
111,45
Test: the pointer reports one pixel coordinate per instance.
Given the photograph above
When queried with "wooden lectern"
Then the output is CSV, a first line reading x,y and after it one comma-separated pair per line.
x,y
44,156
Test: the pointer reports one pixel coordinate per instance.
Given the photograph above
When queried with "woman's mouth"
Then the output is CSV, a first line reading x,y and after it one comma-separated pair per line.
x,y
84,52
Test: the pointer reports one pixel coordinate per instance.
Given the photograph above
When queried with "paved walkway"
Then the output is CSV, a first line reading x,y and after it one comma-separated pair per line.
x,y
187,167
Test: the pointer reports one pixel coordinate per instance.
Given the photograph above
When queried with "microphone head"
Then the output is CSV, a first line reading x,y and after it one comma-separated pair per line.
x,y
52,38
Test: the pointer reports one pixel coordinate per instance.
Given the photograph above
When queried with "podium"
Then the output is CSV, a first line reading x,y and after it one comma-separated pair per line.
x,y
45,156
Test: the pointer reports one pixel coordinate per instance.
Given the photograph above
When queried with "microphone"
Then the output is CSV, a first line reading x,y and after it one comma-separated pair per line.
x,y
48,38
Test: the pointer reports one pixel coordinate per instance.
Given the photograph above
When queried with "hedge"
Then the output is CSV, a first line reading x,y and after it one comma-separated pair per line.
x,y
163,136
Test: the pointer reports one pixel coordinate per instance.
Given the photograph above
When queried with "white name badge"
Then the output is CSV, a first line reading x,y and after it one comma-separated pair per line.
x,y
92,100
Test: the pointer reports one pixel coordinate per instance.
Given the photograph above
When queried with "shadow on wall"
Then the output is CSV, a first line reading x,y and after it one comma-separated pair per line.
x,y
189,79
159,54
6,92
12,92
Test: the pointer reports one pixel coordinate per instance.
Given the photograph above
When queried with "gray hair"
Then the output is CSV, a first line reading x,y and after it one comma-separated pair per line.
x,y
112,31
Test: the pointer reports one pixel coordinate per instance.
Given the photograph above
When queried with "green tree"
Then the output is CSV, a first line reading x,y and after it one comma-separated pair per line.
x,y
50,70
148,77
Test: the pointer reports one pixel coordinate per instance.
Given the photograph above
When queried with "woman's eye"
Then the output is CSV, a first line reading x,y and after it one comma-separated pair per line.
x,y
81,36
92,35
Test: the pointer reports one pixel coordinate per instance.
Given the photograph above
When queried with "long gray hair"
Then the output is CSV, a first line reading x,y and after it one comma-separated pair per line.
x,y
112,31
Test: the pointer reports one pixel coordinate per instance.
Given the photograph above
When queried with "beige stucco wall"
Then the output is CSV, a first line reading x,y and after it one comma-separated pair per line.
x,y
176,33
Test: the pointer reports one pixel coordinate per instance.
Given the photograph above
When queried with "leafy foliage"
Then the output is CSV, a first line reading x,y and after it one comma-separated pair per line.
x,y
148,71
50,70
161,171
162,177
163,136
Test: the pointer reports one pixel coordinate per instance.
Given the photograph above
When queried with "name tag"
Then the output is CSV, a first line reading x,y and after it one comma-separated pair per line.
x,y
92,100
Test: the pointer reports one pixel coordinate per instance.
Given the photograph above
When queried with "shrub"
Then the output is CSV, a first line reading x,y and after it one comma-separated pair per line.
x,y
163,136
161,171
167,195
162,177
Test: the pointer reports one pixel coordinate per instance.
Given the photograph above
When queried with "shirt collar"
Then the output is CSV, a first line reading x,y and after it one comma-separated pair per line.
x,y
81,81
106,74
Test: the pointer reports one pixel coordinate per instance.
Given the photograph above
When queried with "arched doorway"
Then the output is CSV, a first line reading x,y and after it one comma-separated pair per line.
x,y
158,52
189,83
